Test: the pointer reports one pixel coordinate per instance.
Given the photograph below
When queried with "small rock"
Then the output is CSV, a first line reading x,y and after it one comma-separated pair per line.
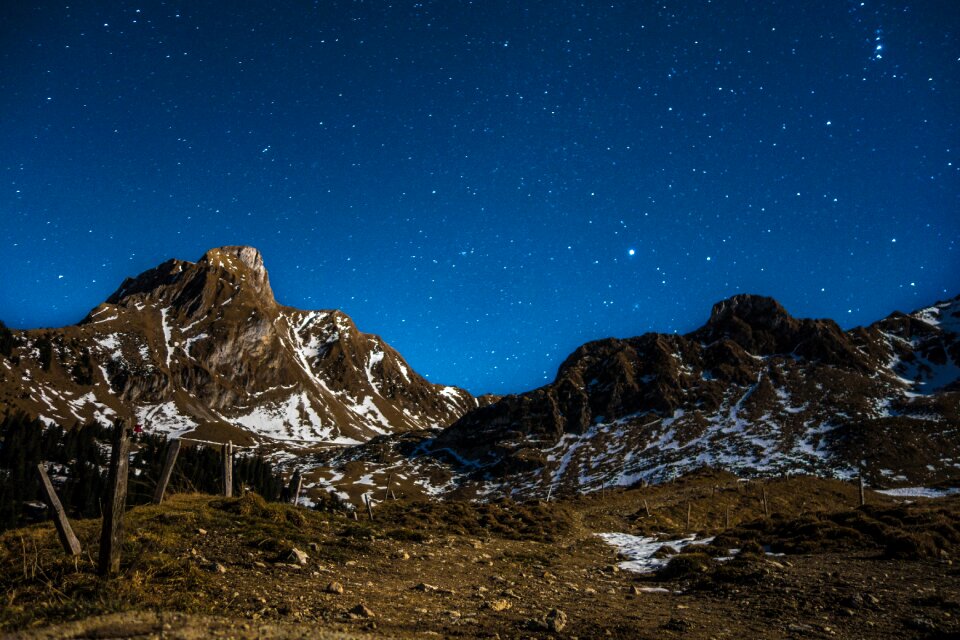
x,y
202,532
635,590
590,591
855,601
922,624
498,605
361,611
676,624
216,567
334,587
297,556
314,547
555,620
426,588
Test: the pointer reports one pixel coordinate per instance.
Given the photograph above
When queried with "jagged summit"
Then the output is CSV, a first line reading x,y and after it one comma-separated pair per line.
x,y
204,347
753,309
181,282
241,258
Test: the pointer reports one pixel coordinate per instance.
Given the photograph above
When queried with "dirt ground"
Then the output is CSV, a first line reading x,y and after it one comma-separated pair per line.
x,y
201,566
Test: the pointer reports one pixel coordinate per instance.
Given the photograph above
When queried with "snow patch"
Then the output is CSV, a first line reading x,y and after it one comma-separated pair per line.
x,y
640,550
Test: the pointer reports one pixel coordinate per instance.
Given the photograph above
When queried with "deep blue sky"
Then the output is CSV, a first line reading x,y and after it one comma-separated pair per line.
x,y
487,185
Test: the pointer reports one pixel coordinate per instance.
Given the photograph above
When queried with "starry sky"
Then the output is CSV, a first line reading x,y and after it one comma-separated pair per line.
x,y
489,184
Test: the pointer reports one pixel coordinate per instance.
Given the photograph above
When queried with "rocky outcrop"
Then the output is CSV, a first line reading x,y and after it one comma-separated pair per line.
x,y
204,348
754,391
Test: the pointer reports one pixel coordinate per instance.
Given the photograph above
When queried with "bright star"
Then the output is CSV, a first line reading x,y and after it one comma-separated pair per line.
x,y
631,252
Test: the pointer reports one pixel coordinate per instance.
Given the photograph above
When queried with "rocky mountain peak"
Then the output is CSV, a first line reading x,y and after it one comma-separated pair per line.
x,y
757,311
242,260
204,348
757,323
219,275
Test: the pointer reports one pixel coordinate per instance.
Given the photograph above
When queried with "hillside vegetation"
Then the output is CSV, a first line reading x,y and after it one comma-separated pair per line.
x,y
245,567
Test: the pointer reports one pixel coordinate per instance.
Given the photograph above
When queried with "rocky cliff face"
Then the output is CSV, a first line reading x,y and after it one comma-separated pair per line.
x,y
754,391
204,348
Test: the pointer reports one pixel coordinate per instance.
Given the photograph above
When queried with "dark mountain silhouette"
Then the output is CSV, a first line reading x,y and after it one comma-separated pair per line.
x,y
754,391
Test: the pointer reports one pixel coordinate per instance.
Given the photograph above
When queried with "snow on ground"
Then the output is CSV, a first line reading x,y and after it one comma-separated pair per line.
x,y
101,412
368,410
165,418
290,419
110,342
376,356
189,342
167,335
640,550
919,492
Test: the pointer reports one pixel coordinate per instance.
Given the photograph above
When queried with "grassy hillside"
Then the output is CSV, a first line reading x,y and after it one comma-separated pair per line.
x,y
518,570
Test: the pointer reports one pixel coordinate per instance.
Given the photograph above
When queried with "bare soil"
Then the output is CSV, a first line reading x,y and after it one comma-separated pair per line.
x,y
203,566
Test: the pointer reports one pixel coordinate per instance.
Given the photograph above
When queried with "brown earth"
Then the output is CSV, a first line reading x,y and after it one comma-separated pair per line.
x,y
214,567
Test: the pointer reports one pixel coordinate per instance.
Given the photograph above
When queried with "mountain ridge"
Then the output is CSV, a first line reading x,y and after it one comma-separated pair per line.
x,y
751,361
205,349
754,391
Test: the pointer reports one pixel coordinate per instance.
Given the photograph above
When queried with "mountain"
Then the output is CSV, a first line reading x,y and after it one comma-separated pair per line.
x,y
204,349
755,391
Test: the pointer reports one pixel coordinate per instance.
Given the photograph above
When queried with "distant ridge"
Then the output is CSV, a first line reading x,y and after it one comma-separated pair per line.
x,y
754,391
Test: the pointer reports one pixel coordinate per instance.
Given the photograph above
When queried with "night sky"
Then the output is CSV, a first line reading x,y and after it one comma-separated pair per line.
x,y
487,185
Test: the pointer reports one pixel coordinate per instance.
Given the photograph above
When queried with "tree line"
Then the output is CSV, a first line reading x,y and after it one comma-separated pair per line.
x,y
77,461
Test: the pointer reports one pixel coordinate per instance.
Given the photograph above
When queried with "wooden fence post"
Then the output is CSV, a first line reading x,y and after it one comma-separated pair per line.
x,y
69,541
726,519
366,498
863,496
111,534
646,508
688,515
296,484
763,494
172,451
386,490
226,453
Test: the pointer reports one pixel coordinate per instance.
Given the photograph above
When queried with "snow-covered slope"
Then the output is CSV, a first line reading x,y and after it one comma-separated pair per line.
x,y
204,349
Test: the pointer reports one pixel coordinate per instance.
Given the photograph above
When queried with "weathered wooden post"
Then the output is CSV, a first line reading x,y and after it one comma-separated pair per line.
x,y
295,486
111,534
386,490
688,515
172,451
763,497
366,498
69,541
646,508
226,453
726,518
863,496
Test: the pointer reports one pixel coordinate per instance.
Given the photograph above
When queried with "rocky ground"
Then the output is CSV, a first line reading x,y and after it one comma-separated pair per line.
x,y
203,566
